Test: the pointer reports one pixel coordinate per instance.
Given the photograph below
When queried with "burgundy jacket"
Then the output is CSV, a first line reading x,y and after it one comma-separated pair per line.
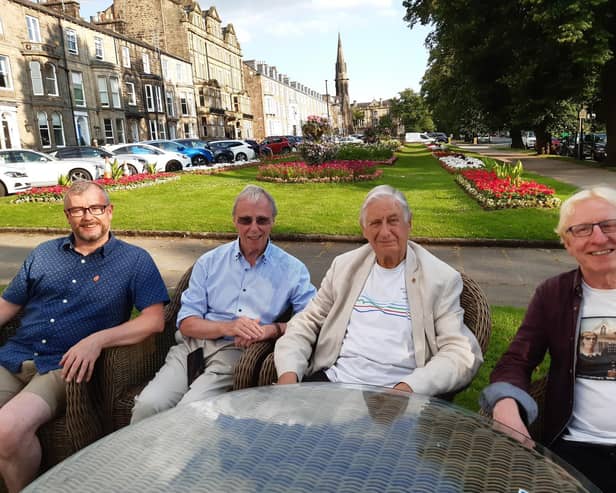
x,y
550,324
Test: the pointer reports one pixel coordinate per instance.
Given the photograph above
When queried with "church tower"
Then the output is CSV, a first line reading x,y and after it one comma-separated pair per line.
x,y
342,91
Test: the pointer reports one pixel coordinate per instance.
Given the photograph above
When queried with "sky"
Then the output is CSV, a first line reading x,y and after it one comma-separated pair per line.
x,y
300,38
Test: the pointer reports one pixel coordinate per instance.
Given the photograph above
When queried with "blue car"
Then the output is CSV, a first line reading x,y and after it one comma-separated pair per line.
x,y
198,156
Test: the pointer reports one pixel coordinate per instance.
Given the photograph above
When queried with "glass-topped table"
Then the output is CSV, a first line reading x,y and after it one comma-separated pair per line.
x,y
312,438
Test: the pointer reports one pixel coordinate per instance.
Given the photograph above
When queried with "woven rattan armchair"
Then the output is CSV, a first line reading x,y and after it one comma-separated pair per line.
x,y
126,370
477,318
79,426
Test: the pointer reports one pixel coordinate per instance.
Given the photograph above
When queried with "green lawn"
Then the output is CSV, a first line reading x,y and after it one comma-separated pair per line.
x,y
202,203
505,323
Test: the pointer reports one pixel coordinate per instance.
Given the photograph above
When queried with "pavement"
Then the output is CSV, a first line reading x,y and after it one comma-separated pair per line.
x,y
508,274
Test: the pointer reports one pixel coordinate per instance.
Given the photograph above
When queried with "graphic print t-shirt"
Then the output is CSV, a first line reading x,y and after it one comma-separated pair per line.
x,y
595,384
378,346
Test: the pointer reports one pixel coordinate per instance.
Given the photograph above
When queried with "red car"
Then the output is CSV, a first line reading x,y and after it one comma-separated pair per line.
x,y
278,145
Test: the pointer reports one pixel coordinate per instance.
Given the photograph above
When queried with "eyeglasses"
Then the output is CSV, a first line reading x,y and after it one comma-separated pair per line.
x,y
586,229
95,210
260,220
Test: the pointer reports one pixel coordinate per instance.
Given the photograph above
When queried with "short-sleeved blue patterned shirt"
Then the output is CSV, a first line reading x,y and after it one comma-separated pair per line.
x,y
67,296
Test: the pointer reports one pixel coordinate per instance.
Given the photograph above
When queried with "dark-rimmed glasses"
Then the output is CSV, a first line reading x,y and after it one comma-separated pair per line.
x,y
260,220
586,229
95,210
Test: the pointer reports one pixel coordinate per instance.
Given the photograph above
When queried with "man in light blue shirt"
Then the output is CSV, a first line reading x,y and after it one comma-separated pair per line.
x,y
236,293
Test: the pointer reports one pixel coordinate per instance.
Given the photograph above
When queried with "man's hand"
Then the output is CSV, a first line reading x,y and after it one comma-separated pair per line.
x,y
78,362
506,413
403,387
269,331
288,377
246,328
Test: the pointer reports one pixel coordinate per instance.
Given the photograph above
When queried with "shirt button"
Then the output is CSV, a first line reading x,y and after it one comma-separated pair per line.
x,y
44,341
64,301
83,260
240,310
244,289
74,281
52,320
35,354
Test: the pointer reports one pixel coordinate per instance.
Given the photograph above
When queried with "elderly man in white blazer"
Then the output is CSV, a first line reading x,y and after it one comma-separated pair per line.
x,y
387,313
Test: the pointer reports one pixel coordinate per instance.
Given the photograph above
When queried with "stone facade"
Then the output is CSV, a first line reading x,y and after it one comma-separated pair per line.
x,y
280,106
181,27
67,82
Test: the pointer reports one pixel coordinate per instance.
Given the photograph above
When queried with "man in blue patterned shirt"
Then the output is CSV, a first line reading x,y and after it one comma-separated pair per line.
x,y
236,293
76,295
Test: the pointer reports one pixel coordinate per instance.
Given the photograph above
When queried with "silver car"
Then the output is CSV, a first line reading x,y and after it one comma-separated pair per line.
x,y
44,170
241,150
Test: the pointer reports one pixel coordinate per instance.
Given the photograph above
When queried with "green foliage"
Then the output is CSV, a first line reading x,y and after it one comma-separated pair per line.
x,y
505,323
412,111
150,168
117,170
316,127
314,153
374,152
370,135
64,181
441,209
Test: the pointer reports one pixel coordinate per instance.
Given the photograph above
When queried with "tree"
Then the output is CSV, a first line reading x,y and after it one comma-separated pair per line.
x,y
412,112
524,60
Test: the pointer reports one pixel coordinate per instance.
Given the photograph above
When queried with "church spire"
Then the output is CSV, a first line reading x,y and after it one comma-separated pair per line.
x,y
342,90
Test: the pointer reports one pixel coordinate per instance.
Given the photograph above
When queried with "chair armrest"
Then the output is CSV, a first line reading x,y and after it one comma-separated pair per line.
x,y
248,367
84,422
268,374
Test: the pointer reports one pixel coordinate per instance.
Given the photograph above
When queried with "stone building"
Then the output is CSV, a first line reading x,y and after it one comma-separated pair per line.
x,y
64,81
181,27
280,106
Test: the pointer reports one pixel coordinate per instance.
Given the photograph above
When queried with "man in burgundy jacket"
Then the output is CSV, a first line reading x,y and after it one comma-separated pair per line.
x,y
566,310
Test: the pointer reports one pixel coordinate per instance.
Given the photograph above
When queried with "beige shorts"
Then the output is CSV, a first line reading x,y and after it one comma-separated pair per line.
x,y
51,387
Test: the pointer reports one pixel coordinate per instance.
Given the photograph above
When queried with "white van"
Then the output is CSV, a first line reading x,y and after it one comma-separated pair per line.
x,y
411,137
529,139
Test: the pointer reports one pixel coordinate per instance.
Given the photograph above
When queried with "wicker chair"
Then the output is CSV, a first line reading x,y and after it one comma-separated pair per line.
x,y
126,370
78,427
476,316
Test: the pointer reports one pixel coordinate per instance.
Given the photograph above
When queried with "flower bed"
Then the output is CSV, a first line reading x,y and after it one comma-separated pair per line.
x,y
455,162
333,171
502,193
56,193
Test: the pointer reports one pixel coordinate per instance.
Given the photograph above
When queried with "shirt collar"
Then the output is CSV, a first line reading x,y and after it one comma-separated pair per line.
x,y
237,253
68,243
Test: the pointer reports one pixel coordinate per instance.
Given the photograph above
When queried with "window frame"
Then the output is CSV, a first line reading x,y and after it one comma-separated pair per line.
x,y
5,70
43,128
145,60
72,42
103,91
50,76
34,29
58,130
130,92
149,97
125,56
116,94
78,102
99,49
38,88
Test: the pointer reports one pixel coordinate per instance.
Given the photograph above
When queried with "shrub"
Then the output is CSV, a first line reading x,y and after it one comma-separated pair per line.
x,y
314,153
315,127
374,152
335,171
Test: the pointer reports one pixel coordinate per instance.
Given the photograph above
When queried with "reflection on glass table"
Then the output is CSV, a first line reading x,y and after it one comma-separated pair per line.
x,y
313,438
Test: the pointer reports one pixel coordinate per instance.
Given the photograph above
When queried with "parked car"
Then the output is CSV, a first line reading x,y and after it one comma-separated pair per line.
x,y
221,155
13,179
241,149
294,140
529,139
349,140
164,160
417,137
45,170
278,145
261,150
198,156
438,136
134,164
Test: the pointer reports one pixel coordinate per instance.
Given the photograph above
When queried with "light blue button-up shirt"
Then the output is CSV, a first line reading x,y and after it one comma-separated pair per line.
x,y
224,286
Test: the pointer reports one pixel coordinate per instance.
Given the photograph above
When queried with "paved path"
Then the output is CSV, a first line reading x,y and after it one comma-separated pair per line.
x,y
507,275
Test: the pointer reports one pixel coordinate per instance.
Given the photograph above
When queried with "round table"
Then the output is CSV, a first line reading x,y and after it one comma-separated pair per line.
x,y
312,438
